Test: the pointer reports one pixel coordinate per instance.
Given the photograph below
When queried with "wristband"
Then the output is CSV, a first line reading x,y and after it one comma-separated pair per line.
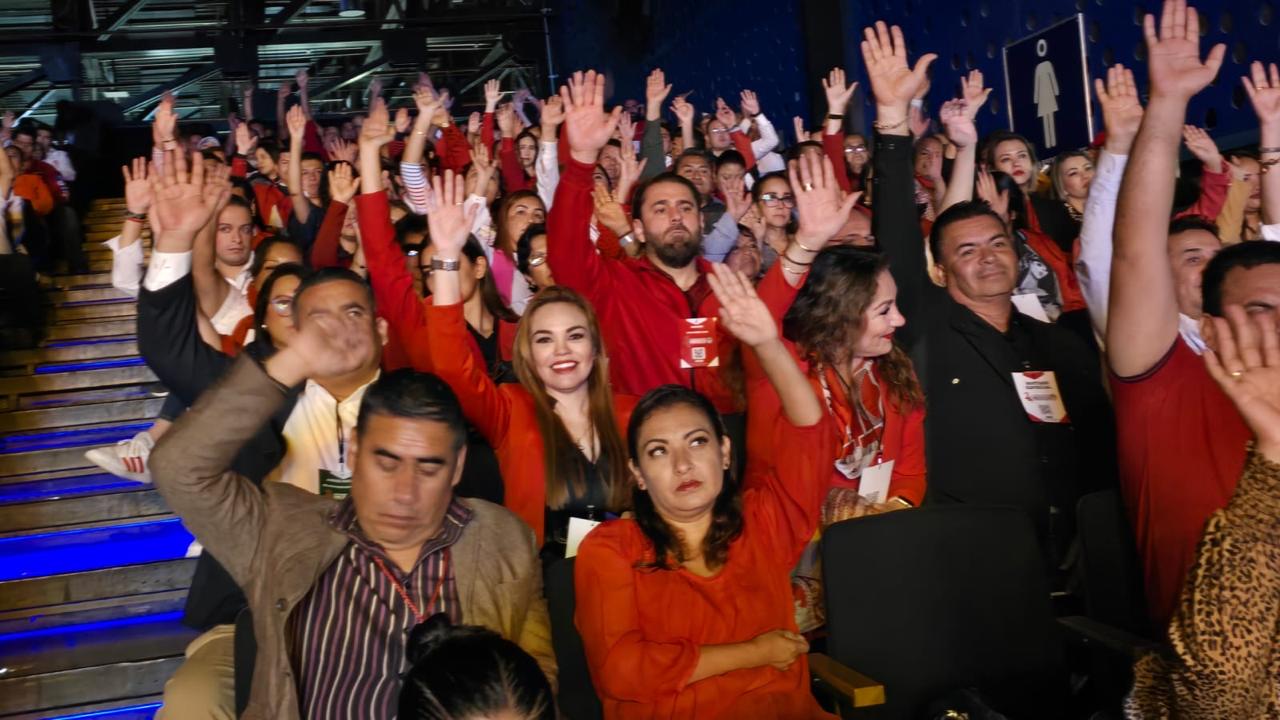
x,y
917,102
835,116
884,127
130,215
437,263
793,261
140,220
1268,150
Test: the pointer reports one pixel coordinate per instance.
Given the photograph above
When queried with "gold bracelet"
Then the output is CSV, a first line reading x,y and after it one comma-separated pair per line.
x,y
802,247
882,127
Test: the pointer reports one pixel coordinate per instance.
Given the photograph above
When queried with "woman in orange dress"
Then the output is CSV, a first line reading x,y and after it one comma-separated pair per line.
x,y
685,611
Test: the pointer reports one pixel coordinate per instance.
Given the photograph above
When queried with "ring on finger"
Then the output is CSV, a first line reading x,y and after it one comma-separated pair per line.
x,y
808,187
1236,374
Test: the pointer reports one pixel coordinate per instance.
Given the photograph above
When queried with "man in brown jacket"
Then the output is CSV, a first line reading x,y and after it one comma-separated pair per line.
x,y
335,586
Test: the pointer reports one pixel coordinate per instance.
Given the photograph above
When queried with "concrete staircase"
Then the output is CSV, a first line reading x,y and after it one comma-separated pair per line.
x,y
94,569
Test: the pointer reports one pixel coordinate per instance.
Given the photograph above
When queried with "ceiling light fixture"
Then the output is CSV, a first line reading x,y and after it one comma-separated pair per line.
x,y
350,9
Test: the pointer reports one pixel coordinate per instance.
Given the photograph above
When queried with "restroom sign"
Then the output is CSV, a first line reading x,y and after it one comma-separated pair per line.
x,y
1047,88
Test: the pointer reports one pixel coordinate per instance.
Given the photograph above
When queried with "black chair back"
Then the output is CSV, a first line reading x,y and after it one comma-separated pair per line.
x,y
943,598
577,696
1109,564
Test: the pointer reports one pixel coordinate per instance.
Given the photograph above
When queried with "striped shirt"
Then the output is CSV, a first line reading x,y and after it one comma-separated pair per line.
x,y
348,635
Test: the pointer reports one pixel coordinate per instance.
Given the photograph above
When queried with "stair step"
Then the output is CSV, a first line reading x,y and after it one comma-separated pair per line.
x,y
66,351
84,397
106,292
96,309
76,379
82,436
37,595
66,415
140,708
87,330
67,487
77,550
93,611
63,510
96,279
110,662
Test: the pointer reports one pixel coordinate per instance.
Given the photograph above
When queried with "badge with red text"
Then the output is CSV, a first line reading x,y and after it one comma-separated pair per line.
x,y
698,343
1038,391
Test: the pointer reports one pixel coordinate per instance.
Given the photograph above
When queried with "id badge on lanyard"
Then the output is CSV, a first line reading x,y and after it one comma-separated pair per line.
x,y
1041,399
698,343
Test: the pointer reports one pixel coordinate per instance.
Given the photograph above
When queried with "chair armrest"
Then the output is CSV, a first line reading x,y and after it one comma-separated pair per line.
x,y
1113,638
856,689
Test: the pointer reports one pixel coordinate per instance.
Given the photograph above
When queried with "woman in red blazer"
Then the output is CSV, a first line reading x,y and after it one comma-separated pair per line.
x,y
557,433
840,327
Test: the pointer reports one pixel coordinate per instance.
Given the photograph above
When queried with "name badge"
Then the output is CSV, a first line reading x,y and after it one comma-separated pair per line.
x,y
335,484
874,485
578,529
698,343
1038,391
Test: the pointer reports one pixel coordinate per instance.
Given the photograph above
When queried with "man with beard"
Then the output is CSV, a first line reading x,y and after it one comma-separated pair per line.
x,y
645,303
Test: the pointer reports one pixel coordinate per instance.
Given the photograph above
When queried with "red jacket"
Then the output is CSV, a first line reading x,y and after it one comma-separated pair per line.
x,y
901,439
641,309
452,151
504,414
393,287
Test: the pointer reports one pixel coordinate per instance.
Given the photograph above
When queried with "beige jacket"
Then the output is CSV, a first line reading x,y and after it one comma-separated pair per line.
x,y
276,541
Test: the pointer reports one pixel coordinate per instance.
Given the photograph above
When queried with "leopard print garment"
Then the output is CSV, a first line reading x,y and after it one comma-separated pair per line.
x,y
1224,656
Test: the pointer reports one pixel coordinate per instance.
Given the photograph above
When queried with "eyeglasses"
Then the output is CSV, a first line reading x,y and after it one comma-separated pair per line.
x,y
855,149
537,259
773,199
283,306
719,131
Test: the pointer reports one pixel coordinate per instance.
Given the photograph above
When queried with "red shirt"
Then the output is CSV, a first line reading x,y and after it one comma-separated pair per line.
x,y
1181,447
642,629
641,309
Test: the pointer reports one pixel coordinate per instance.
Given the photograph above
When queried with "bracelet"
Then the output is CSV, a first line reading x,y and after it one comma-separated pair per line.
x,y
835,116
917,102
793,261
885,127
1268,150
420,132
130,215
627,239
140,220
438,263
802,247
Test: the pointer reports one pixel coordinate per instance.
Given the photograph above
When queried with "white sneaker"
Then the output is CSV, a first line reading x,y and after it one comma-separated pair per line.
x,y
126,459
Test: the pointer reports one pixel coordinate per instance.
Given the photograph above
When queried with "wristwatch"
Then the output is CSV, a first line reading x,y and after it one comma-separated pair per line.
x,y
438,263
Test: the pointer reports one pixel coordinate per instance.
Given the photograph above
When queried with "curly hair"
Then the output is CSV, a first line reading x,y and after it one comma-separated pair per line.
x,y
726,512
825,320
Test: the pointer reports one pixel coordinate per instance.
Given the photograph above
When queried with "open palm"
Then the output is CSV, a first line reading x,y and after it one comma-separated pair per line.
x,y
1173,56
1244,359
742,312
588,125
1263,88
884,53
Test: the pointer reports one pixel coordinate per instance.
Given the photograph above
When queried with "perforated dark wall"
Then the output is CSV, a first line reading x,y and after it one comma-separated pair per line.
x,y
972,33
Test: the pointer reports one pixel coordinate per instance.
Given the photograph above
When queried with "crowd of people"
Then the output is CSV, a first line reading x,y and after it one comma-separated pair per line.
x,y
414,364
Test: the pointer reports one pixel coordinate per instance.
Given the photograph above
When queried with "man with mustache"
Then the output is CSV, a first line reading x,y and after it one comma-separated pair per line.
x,y
643,303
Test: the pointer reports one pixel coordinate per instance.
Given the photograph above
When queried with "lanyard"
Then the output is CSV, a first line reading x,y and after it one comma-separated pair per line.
x,y
342,438
420,615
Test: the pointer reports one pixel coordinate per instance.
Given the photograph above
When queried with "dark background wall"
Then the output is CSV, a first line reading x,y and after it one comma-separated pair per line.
x,y
717,47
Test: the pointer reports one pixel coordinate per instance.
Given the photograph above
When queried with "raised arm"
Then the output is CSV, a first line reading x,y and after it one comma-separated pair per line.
x,y
297,120
548,163
126,251
958,117
893,84
684,114
1263,87
656,91
838,96
282,96
304,99
1143,313
1121,116
211,288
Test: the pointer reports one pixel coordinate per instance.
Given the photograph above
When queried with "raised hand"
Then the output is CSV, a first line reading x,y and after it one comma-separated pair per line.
x,y
484,169
449,220
7,120
1121,109
918,122
1263,88
245,141
297,123
626,129
1244,359
375,89
656,91
737,200
552,116
324,346
742,312
819,205
1173,55
630,170
893,82
838,94
683,111
473,123
342,183
376,130
340,150
402,120
973,93
492,94
301,78
802,134
506,118
427,102
958,122
165,122
990,193
137,187
184,201
724,113
588,125
1202,146
285,90
609,211
749,103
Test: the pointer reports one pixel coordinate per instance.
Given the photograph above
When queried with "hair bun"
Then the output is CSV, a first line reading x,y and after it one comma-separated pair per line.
x,y
426,636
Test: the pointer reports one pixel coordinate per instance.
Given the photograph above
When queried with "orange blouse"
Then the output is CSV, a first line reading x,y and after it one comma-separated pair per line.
x,y
643,629
504,414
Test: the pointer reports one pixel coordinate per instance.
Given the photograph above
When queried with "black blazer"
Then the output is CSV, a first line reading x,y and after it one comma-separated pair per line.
x,y
170,342
980,444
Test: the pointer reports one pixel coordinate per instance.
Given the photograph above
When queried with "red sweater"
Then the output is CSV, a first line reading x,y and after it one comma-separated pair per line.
x,y
641,309
452,151
393,287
